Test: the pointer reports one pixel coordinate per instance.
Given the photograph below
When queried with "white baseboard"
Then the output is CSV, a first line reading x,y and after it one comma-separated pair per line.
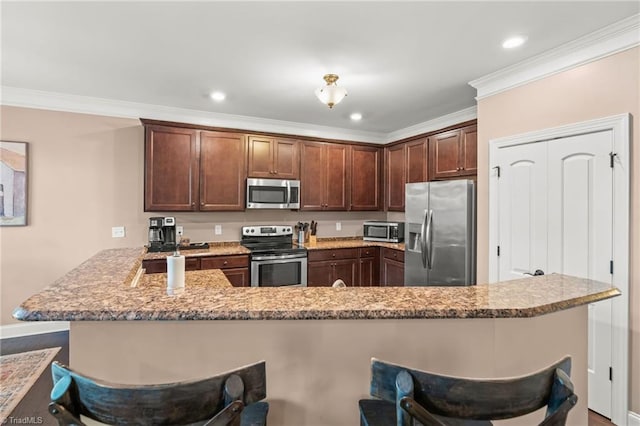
x,y
31,328
634,419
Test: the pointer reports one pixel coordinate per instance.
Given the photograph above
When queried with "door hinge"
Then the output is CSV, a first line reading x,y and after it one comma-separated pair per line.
x,y
611,267
611,157
497,170
610,374
498,250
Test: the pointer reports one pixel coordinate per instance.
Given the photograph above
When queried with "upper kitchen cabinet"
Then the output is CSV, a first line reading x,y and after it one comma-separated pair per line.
x,y
405,163
222,171
273,158
193,170
324,176
171,169
366,188
453,153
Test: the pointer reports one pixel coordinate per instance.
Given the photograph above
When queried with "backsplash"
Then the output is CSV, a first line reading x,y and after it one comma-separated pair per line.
x,y
201,226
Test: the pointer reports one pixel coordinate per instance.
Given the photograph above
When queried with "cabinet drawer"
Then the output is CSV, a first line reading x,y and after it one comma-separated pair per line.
x,y
368,252
317,255
397,255
223,262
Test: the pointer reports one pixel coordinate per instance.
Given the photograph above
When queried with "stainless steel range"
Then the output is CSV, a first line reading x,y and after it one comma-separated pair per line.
x,y
275,260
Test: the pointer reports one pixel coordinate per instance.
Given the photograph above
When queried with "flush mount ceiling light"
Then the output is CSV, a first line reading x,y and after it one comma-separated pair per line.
x,y
331,94
513,42
356,116
218,96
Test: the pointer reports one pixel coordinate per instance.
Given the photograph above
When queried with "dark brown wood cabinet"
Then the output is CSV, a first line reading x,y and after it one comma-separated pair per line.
x,y
366,167
405,163
222,171
324,176
369,273
326,266
395,177
273,158
392,273
194,170
171,169
235,267
453,153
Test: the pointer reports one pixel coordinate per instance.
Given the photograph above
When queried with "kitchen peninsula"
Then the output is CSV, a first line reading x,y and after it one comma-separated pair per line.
x,y
317,342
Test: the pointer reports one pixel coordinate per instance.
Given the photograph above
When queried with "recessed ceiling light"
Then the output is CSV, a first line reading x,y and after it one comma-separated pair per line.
x,y
218,96
356,116
512,42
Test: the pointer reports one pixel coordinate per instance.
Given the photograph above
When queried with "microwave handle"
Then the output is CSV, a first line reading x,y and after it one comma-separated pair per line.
x,y
288,193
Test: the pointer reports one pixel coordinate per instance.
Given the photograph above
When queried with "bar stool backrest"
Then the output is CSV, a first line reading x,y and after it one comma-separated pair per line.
x,y
178,403
477,399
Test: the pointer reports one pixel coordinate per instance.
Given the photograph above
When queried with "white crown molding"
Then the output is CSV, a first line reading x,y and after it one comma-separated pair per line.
x,y
30,328
622,35
466,114
27,98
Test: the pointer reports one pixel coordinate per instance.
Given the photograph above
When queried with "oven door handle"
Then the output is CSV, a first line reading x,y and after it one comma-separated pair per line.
x,y
279,257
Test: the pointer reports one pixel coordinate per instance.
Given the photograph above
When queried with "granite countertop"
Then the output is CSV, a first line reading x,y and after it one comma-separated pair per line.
x,y
101,289
355,242
215,249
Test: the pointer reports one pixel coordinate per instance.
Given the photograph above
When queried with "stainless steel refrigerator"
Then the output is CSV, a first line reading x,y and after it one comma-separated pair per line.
x,y
440,229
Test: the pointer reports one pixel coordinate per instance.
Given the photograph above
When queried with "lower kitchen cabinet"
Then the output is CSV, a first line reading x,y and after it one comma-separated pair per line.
x,y
392,273
235,268
369,273
326,266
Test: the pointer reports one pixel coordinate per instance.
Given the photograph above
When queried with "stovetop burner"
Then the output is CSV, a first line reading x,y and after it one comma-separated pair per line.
x,y
273,239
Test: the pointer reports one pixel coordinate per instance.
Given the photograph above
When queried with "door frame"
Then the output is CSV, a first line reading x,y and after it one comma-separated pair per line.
x,y
619,125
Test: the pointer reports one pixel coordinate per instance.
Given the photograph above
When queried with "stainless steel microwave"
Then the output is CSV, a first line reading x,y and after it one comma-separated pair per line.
x,y
273,194
391,232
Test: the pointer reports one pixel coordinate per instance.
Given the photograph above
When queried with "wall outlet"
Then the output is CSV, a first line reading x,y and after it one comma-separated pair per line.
x,y
218,229
179,230
117,232
338,226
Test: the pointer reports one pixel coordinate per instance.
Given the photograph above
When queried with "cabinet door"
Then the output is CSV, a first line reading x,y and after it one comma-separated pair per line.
x,y
368,274
171,169
337,177
222,171
286,159
392,273
312,176
365,178
260,157
395,177
345,270
320,274
417,161
469,154
444,154
238,277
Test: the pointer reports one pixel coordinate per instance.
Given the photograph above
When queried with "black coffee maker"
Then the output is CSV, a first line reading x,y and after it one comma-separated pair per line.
x,y
162,234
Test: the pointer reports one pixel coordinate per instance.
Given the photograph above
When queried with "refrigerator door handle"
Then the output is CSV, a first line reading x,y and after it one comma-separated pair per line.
x,y
429,242
423,238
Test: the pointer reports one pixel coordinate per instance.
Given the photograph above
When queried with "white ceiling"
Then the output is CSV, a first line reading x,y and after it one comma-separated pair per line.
x,y
402,63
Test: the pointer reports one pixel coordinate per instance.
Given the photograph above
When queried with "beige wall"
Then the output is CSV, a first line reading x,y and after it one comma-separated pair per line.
x,y
85,176
599,89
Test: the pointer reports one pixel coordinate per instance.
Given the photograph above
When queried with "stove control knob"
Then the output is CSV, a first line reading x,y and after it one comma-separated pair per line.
x,y
253,230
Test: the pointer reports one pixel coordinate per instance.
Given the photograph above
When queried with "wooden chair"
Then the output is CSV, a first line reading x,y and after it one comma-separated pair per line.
x,y
407,395
230,398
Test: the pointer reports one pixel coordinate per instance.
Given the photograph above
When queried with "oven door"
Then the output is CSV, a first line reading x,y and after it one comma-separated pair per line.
x,y
279,270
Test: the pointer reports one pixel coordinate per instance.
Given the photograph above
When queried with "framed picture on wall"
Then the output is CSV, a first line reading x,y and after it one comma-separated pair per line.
x,y
13,183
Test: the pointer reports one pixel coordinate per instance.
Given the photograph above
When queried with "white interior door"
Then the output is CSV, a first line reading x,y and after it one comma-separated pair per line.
x,y
555,212
580,238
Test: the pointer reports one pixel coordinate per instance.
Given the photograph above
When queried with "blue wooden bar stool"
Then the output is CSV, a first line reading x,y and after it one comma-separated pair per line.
x,y
232,398
406,395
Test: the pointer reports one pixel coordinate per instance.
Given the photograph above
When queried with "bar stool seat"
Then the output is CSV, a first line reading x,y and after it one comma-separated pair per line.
x,y
232,398
407,396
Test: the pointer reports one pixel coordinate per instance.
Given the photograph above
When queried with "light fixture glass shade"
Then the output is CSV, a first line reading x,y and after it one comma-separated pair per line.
x,y
331,94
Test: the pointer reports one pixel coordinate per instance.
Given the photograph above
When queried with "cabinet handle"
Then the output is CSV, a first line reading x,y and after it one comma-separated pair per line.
x,y
225,262
275,172
193,204
333,255
202,203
